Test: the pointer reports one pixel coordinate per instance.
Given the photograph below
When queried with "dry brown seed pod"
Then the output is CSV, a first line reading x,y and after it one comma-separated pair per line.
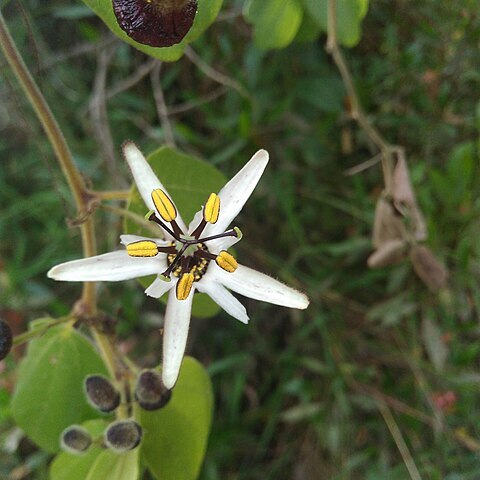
x,y
388,225
432,273
75,439
389,253
6,339
157,23
150,392
101,394
123,435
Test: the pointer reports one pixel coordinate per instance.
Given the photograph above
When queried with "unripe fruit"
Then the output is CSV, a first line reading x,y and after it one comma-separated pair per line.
x,y
101,394
150,392
123,435
75,439
5,339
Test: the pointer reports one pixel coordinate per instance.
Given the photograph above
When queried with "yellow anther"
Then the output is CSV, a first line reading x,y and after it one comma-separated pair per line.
x,y
143,248
212,208
226,261
184,286
164,205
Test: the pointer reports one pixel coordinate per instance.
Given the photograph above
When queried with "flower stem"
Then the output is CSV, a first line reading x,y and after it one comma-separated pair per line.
x,y
81,194
28,335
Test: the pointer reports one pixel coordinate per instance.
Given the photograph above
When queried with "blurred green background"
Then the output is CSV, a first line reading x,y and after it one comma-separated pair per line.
x,y
378,373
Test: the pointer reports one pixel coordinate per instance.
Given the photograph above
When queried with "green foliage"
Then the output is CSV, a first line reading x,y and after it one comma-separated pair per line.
x,y
175,438
206,14
113,466
277,22
49,390
350,14
189,181
174,441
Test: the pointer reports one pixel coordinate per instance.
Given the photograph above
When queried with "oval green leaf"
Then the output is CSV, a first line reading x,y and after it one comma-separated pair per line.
x,y
189,181
175,437
115,466
206,14
350,14
275,22
49,392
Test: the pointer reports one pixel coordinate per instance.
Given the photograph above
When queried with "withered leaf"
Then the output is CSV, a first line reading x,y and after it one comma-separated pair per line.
x,y
432,273
388,225
391,252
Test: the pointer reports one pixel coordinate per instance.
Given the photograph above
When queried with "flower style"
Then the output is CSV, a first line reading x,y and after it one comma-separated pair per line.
x,y
186,259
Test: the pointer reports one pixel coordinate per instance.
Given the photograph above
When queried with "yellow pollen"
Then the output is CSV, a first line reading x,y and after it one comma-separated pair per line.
x,y
184,286
226,261
164,205
212,208
143,248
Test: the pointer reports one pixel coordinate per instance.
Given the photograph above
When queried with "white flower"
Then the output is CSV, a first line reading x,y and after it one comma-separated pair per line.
x,y
187,259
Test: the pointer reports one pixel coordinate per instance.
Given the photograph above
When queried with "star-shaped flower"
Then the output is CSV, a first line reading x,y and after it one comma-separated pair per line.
x,y
187,259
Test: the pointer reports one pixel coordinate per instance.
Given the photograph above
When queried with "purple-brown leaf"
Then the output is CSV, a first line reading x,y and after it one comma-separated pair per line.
x,y
157,23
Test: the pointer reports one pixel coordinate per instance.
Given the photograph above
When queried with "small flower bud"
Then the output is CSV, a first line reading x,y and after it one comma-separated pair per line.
x,y
75,439
5,339
150,391
101,394
123,435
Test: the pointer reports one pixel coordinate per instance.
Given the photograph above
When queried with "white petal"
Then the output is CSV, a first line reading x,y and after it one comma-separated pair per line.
x,y
127,239
113,266
144,177
236,192
175,333
158,288
224,298
259,286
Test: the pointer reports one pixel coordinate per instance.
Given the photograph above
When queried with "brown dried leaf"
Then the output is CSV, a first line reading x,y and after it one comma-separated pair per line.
x,y
402,190
389,253
387,224
432,273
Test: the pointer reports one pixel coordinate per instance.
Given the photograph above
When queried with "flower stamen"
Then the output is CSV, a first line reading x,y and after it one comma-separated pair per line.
x,y
143,248
226,261
184,286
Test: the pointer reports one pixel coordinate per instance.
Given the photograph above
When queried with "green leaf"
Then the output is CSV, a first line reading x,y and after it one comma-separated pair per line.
x,y
76,467
206,14
49,392
189,181
350,14
275,22
175,437
115,466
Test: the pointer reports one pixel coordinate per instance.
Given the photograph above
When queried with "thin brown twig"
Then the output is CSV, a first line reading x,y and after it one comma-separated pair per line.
x,y
141,72
387,150
215,74
399,441
98,111
161,105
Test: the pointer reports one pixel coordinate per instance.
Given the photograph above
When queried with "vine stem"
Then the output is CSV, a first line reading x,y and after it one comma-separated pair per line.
x,y
60,147
83,198
386,149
